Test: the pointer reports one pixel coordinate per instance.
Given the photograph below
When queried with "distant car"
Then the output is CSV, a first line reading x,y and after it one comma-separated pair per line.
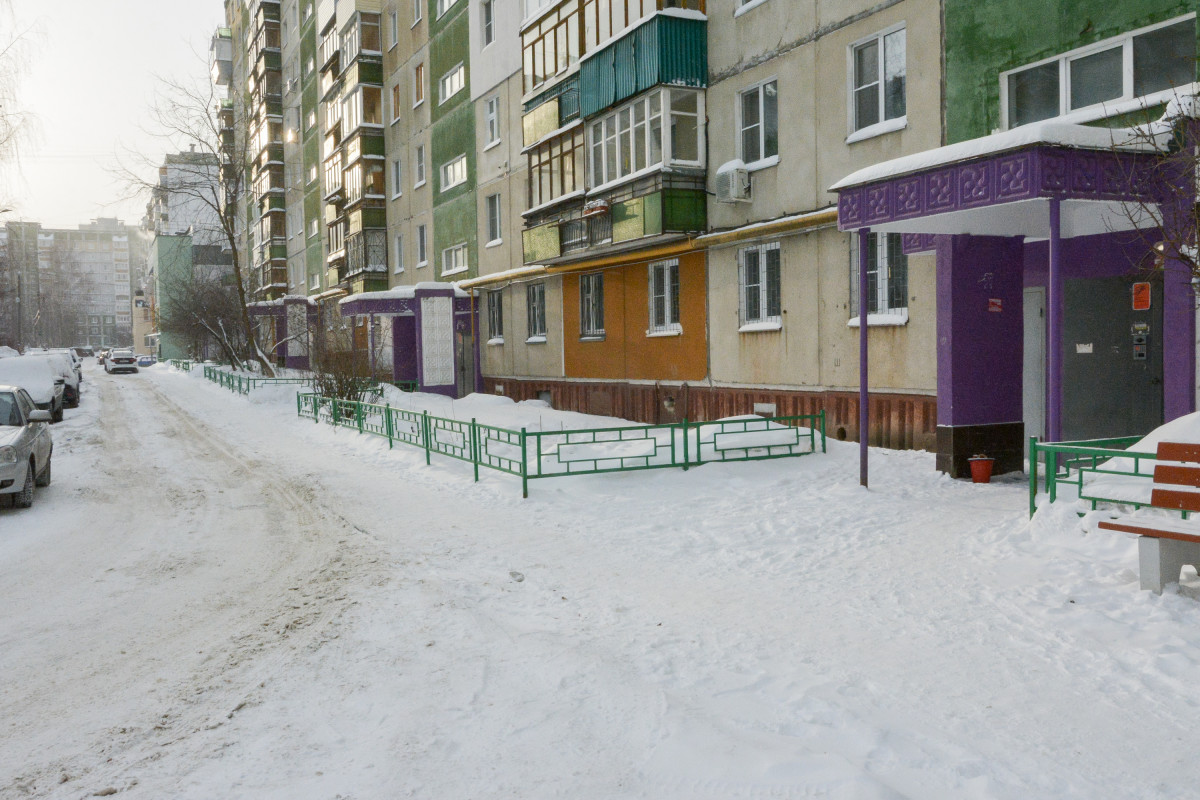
x,y
146,361
120,361
25,446
101,355
37,377
84,351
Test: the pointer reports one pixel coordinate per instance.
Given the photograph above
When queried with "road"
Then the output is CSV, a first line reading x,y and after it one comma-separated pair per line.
x,y
154,609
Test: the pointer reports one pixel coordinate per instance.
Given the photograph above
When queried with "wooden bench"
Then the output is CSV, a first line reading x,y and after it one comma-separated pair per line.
x,y
1165,546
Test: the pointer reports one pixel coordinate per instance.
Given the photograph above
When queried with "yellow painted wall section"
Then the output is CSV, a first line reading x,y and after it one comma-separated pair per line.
x,y
627,353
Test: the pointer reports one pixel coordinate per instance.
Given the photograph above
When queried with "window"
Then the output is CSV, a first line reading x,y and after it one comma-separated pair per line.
x,y
591,305
631,139
1137,69
878,80
551,47
495,315
491,120
494,233
454,172
397,176
418,84
759,122
664,297
452,83
419,166
312,172
488,11
454,259
535,307
311,121
444,5
556,169
398,252
396,103
393,29
758,277
313,227
422,246
887,276
417,10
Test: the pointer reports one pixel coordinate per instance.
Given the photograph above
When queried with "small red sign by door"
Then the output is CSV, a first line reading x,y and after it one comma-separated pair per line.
x,y
995,304
1141,297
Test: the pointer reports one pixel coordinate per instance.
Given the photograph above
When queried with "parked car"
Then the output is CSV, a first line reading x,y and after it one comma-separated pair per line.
x,y
61,362
146,361
120,361
84,351
25,445
101,355
37,377
76,361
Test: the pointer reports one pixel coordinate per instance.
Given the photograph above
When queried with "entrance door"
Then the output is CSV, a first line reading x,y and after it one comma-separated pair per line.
x,y
465,362
1112,380
1033,384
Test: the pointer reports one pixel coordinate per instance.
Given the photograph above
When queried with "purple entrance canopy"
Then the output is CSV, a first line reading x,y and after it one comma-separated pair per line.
x,y
1048,181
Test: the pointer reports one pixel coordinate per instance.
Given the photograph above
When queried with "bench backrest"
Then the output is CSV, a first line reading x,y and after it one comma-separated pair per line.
x,y
1171,475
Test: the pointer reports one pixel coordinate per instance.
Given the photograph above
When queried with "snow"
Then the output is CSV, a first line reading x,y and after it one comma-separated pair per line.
x,y
1049,132
34,374
403,292
216,598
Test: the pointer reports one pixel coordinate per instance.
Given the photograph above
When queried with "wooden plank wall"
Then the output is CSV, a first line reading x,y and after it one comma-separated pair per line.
x,y
898,421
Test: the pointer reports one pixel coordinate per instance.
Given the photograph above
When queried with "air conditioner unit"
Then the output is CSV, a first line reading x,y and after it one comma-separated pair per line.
x,y
733,183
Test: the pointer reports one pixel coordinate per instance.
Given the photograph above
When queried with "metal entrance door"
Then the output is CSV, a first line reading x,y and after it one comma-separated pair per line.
x,y
1112,359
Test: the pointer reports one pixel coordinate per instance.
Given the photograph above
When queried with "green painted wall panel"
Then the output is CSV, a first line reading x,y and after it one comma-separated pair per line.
x,y
456,222
984,39
449,45
453,135
684,210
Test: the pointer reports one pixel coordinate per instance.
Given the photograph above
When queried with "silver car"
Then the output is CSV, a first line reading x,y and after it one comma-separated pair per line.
x,y
25,445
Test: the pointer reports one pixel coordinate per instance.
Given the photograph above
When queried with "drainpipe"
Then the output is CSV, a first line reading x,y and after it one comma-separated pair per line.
x,y
864,243
371,342
1054,345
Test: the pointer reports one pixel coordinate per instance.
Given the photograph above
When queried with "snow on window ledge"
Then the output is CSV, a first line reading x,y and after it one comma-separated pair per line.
x,y
495,340
878,129
894,319
752,4
675,330
758,327
536,339
763,163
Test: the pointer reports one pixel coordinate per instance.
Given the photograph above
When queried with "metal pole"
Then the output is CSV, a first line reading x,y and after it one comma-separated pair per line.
x,y
1054,355
864,243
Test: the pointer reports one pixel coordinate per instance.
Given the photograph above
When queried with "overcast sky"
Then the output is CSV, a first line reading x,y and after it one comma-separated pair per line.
x,y
91,75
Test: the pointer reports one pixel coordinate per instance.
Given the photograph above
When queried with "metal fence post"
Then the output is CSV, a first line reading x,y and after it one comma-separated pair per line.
x,y
524,467
1052,474
1033,474
823,430
475,448
685,445
359,414
425,434
387,423
334,406
298,406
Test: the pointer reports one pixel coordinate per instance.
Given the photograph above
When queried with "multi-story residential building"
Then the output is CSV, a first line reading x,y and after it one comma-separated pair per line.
x,y
613,131
188,247
1062,309
799,96
73,286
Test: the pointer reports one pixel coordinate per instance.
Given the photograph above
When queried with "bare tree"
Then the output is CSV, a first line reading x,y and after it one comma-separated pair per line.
x,y
199,304
209,129
1158,161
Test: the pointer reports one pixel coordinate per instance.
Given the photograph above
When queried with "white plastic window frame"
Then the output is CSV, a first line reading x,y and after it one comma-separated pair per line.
x,y
600,182
763,321
1122,105
455,78
883,125
764,161
453,173
670,326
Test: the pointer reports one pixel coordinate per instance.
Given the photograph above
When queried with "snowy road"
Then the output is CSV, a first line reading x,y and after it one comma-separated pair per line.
x,y
216,599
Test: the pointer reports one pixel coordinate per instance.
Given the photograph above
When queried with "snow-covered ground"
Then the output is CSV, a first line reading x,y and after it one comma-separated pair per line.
x,y
216,599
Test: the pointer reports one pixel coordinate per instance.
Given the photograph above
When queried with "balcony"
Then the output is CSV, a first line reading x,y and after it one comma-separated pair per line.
x,y
333,178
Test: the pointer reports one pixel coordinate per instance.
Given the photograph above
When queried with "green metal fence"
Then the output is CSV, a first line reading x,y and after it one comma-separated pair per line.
x,y
181,363
244,384
531,455
1070,463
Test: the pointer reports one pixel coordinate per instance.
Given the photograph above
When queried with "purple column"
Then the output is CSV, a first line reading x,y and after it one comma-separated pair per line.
x,y
864,243
371,343
1179,338
1054,345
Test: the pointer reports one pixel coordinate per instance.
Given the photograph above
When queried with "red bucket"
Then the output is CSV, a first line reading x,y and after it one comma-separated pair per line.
x,y
981,469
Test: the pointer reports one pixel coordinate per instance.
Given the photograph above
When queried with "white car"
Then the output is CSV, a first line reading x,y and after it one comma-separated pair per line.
x,y
37,377
121,361
25,446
